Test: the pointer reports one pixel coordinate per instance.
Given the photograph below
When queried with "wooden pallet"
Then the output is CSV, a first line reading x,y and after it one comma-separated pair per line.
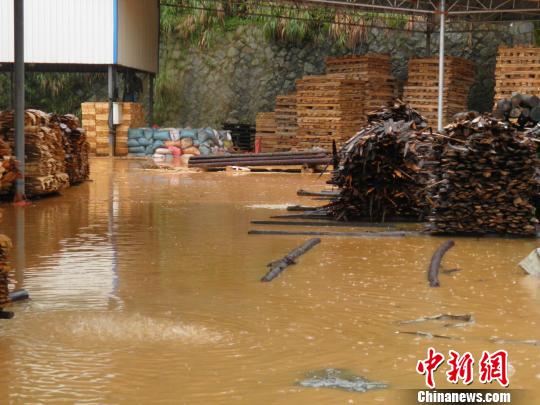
x,y
422,88
517,70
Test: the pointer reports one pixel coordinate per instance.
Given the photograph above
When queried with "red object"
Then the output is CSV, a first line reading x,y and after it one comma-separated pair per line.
x,y
461,367
258,145
430,365
494,367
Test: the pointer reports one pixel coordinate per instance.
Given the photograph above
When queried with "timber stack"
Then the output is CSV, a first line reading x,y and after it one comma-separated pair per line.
x,y
330,108
286,123
45,170
384,169
421,89
486,179
517,71
375,73
75,146
521,110
9,171
265,135
5,245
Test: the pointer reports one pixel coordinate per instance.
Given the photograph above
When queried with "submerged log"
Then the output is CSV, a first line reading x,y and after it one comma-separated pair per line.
x,y
433,271
326,224
276,267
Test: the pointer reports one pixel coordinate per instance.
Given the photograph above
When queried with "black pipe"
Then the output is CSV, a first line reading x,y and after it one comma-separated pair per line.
x,y
293,162
307,152
433,271
18,295
6,314
219,158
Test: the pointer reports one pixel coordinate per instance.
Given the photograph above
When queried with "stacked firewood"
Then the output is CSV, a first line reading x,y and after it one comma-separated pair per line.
x,y
5,244
486,179
384,169
75,146
521,109
45,157
9,172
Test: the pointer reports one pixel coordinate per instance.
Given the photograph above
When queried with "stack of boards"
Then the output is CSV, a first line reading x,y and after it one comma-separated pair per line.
x,y
331,107
276,132
96,123
517,70
5,245
421,90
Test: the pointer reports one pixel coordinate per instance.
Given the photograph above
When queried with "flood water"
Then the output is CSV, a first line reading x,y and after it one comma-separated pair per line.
x,y
145,289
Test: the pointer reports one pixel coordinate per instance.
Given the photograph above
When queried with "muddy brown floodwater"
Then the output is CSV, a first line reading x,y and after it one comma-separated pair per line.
x,y
145,289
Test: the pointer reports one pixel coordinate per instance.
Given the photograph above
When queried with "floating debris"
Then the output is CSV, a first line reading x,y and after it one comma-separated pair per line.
x,y
339,379
464,319
530,342
428,335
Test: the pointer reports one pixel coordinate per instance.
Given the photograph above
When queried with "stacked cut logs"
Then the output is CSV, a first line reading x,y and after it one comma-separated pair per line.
x,y
5,245
486,179
329,108
521,109
517,70
421,90
373,70
75,146
45,156
9,172
383,170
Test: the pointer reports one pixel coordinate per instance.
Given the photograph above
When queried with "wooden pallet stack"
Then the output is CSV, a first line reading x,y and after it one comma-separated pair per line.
x,y
96,124
243,135
517,70
286,121
375,72
5,245
329,108
421,90
265,136
132,117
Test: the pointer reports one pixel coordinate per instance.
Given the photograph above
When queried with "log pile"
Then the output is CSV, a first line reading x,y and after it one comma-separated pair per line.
x,y
75,146
521,110
517,70
45,157
486,179
384,169
5,245
421,89
9,172
329,108
375,72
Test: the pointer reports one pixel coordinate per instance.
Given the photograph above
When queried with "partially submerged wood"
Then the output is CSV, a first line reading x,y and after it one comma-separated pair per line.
x,y
428,335
305,193
276,267
391,234
433,271
325,224
462,319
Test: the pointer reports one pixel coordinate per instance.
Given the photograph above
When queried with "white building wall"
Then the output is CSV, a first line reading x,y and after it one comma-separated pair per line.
x,y
61,31
138,34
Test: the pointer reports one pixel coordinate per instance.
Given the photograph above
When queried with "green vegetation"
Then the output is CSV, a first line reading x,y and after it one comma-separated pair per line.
x,y
200,21
56,92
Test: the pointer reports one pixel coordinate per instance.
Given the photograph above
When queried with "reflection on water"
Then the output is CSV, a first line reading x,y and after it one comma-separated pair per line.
x,y
146,289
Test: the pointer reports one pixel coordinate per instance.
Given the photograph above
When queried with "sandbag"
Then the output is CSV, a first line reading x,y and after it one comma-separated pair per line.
x,y
176,152
186,143
132,143
139,154
135,133
149,149
145,142
204,150
136,149
162,135
158,144
202,136
188,133
191,151
148,133
176,144
196,143
163,151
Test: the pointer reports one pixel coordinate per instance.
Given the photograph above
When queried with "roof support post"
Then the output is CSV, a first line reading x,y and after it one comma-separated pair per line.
x,y
151,100
112,90
441,67
18,93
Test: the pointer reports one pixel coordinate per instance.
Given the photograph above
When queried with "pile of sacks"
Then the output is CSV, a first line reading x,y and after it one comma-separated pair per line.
x,y
174,142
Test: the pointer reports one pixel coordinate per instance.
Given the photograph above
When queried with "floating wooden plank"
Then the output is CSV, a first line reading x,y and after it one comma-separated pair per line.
x,y
276,267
